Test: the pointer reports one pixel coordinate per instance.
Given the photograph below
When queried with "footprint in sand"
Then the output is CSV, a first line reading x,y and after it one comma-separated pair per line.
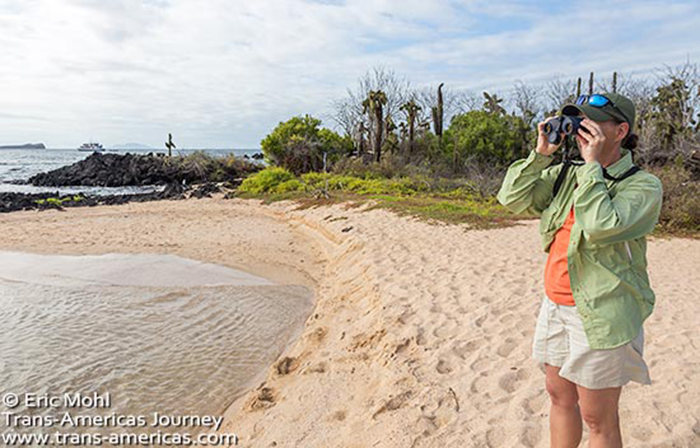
x,y
508,318
496,311
479,384
443,367
436,309
464,349
509,381
535,403
506,347
405,317
640,433
420,336
480,364
486,299
495,437
339,415
445,330
530,437
402,346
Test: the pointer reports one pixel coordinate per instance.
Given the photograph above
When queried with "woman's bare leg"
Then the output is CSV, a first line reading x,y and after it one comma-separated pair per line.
x,y
565,425
599,409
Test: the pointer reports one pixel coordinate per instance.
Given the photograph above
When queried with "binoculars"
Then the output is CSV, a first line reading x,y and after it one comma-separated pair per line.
x,y
565,124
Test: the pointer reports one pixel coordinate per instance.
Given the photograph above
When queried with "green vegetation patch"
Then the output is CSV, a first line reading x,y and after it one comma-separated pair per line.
x,y
419,196
680,212
58,202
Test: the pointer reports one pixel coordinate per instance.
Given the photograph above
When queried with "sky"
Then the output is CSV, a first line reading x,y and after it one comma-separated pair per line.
x,y
223,74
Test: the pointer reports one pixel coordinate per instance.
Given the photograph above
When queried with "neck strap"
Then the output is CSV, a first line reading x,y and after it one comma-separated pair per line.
x,y
568,162
624,175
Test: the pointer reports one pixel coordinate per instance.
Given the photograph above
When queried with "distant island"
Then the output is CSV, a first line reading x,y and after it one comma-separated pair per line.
x,y
131,146
25,146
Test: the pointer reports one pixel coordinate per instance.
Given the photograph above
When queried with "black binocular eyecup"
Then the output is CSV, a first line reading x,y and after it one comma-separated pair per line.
x,y
565,124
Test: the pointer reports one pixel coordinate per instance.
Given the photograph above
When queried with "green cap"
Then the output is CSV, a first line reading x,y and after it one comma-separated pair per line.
x,y
623,109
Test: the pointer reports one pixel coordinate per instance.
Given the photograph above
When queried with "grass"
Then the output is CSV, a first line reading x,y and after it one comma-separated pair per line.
x,y
58,202
418,196
480,215
450,200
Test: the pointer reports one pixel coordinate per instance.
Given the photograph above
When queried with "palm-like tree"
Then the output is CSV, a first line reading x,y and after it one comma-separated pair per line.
x,y
361,131
411,108
374,105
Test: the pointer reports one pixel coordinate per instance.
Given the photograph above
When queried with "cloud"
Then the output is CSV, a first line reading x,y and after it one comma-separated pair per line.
x,y
218,73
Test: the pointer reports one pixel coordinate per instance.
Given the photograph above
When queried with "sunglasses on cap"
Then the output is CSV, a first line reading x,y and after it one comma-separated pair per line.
x,y
597,100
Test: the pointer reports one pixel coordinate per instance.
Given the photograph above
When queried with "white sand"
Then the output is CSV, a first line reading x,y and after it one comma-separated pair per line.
x,y
421,334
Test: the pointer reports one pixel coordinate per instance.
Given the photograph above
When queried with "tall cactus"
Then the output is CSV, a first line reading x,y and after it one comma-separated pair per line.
x,y
493,104
614,83
578,87
170,145
438,112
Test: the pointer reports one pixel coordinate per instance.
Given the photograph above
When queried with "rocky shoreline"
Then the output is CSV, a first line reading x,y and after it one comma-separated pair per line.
x,y
184,177
11,202
121,170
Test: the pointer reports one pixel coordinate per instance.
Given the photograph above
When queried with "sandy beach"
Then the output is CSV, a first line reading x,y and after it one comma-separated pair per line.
x,y
421,334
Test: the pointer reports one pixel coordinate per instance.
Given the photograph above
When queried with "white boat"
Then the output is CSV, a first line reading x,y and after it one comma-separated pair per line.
x,y
91,147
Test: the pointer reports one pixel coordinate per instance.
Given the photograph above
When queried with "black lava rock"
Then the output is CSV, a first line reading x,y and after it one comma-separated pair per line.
x,y
112,170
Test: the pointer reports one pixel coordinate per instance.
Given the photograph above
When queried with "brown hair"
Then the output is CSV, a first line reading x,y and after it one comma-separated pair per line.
x,y
631,140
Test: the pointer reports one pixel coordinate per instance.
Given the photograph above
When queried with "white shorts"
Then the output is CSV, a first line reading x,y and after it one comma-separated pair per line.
x,y
560,341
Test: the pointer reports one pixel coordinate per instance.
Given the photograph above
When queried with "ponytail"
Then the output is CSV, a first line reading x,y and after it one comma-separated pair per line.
x,y
630,142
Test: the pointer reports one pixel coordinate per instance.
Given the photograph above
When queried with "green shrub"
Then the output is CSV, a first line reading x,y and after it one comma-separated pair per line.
x,y
265,180
487,138
315,179
680,212
367,186
198,163
200,166
339,182
391,165
288,186
299,144
279,180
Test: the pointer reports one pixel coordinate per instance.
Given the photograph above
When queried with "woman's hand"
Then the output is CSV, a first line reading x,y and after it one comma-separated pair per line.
x,y
543,145
591,140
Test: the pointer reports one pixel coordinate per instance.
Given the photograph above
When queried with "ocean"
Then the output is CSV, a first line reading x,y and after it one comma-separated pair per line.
x,y
20,164
155,332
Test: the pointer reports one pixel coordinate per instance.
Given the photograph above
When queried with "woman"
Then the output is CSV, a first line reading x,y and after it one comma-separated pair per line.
x,y
589,336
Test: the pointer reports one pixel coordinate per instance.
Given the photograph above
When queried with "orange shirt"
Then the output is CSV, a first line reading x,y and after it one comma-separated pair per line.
x,y
556,273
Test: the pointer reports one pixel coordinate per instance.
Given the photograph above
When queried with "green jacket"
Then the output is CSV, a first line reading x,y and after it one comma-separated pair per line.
x,y
607,248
